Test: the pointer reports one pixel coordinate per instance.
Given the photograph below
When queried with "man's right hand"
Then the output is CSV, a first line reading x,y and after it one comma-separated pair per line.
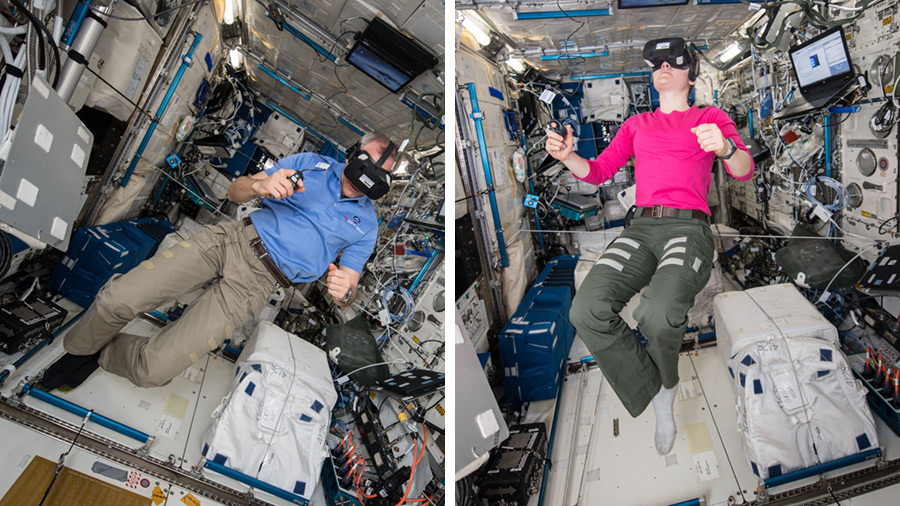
x,y
278,185
560,148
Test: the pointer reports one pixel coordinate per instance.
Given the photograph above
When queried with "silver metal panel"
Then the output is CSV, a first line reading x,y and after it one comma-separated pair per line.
x,y
46,163
476,401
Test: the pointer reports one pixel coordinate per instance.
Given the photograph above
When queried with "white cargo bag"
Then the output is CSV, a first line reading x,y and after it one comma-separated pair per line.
x,y
273,422
758,314
795,393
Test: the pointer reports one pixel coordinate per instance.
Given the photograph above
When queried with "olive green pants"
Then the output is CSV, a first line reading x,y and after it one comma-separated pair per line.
x,y
220,254
672,257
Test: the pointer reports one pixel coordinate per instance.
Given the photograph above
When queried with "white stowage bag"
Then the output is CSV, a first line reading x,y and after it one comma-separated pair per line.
x,y
757,314
798,405
273,422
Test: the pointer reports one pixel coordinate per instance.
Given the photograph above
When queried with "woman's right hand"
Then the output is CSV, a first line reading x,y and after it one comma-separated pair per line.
x,y
560,148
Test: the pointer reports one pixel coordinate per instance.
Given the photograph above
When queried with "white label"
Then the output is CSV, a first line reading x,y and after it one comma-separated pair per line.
x,y
268,413
27,192
59,228
487,423
192,374
688,390
168,426
83,134
787,391
364,179
663,45
707,465
78,155
7,201
548,97
43,138
321,165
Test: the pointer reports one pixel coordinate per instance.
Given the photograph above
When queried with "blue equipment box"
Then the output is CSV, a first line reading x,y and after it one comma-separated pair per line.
x,y
96,253
535,343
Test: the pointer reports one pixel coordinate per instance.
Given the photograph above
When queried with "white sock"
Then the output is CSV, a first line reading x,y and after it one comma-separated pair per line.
x,y
664,406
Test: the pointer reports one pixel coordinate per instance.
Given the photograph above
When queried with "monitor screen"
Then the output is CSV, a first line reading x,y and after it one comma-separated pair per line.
x,y
634,4
821,58
377,68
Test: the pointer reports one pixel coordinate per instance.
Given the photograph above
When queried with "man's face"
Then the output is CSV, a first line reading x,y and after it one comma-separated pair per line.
x,y
375,150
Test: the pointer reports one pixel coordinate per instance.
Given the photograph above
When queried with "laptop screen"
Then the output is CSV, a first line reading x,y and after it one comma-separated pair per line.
x,y
822,58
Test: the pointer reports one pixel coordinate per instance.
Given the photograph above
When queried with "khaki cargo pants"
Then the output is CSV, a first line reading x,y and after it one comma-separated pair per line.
x,y
672,257
220,253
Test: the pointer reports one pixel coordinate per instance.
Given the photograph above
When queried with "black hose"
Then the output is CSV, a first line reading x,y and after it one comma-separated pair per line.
x,y
6,253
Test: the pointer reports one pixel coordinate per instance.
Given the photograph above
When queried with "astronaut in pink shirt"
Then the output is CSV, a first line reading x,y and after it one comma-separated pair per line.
x,y
668,246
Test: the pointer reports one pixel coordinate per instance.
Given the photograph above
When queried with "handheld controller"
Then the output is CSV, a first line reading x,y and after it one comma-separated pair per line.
x,y
558,127
296,178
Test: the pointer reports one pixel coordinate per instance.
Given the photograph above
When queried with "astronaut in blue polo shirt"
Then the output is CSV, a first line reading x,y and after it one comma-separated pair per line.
x,y
305,223
313,209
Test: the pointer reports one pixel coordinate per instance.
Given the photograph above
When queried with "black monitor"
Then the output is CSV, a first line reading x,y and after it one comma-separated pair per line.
x,y
388,56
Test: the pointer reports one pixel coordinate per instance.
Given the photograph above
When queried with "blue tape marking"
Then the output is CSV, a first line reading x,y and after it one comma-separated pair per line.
x,y
743,379
862,441
731,372
755,469
495,92
250,388
300,487
823,372
775,471
220,459
205,449
257,367
757,386
317,406
825,355
305,418
748,361
209,62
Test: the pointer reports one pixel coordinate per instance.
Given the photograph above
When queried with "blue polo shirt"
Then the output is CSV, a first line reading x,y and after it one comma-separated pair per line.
x,y
306,231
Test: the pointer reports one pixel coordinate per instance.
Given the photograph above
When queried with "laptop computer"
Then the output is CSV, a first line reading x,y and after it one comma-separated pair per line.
x,y
823,71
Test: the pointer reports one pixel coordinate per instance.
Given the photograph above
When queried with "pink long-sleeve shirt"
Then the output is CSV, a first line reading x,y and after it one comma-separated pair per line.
x,y
670,168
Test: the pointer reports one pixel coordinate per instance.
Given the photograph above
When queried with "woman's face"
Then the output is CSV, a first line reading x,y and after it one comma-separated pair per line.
x,y
669,78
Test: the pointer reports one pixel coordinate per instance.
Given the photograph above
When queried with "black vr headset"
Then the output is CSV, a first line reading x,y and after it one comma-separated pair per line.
x,y
367,175
673,50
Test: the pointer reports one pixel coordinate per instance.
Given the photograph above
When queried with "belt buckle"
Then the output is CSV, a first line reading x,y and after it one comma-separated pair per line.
x,y
656,211
262,252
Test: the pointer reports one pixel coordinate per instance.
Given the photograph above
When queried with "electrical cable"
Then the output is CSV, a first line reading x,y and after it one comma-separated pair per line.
x,y
107,83
566,43
62,457
40,27
158,14
407,363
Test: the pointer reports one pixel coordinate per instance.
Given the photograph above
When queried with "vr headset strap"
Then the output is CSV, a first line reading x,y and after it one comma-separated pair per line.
x,y
388,151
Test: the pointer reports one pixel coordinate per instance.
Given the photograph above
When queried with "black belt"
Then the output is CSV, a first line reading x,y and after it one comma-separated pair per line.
x,y
671,212
263,254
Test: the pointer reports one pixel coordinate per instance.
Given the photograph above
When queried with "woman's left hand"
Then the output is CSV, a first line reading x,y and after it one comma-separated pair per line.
x,y
710,138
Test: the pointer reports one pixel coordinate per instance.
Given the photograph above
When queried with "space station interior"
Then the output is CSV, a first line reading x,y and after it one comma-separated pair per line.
x,y
124,125
787,389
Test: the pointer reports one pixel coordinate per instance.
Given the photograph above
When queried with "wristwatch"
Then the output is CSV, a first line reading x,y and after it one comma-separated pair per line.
x,y
348,296
733,149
